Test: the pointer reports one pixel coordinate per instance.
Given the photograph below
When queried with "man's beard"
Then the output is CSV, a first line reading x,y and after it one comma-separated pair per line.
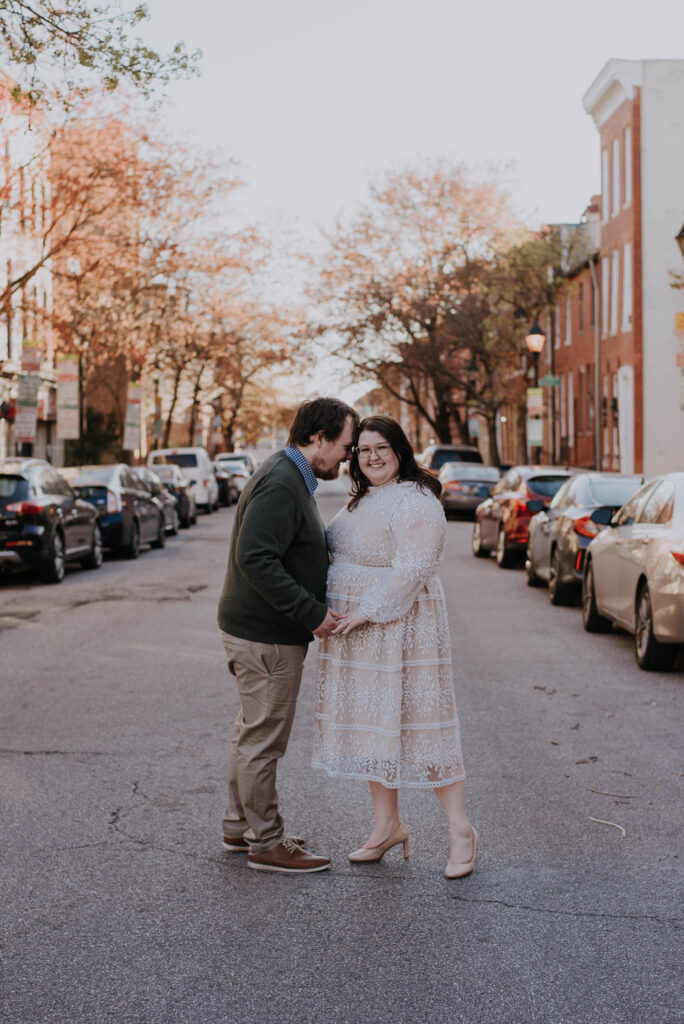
x,y
325,474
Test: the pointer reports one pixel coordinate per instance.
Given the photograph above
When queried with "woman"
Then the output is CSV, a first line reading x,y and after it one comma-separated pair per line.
x,y
386,708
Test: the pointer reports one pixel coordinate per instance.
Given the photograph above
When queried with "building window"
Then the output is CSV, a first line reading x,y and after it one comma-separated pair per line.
x,y
605,185
557,326
628,167
589,404
568,321
627,286
580,402
614,290
571,412
615,205
605,294
580,303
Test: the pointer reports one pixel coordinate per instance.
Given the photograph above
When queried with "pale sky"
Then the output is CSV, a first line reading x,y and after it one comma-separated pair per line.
x,y
316,97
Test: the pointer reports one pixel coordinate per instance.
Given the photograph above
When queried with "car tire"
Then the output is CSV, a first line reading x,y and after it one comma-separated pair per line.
x,y
208,509
505,558
55,564
558,594
95,558
193,521
476,542
160,539
175,523
533,580
592,621
132,549
651,655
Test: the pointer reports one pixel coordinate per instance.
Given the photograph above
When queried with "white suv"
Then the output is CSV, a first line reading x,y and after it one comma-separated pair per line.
x,y
195,465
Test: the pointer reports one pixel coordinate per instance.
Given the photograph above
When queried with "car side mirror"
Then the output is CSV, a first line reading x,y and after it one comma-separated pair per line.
x,y
535,505
192,483
602,516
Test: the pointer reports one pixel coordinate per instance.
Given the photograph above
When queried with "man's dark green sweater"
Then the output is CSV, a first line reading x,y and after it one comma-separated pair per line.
x,y
274,591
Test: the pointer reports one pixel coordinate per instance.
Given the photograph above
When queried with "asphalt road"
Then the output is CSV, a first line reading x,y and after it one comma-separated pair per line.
x,y
119,906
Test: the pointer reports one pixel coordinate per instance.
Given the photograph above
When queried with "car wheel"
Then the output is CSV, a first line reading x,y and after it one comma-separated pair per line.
x,y
558,594
476,542
94,559
133,547
592,621
175,523
160,540
651,655
505,559
54,568
193,521
208,509
533,580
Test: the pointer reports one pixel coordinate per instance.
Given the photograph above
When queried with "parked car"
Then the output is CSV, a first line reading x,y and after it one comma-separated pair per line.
x,y
177,485
634,572
502,520
464,485
223,483
559,535
43,523
239,456
238,475
129,514
436,455
165,499
195,465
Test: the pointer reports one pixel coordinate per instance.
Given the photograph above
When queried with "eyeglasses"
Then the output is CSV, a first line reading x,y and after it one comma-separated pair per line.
x,y
379,449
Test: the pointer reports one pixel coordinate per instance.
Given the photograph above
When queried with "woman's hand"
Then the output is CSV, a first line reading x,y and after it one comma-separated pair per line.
x,y
350,622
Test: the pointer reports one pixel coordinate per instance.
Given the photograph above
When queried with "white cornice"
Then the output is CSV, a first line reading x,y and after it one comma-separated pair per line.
x,y
615,83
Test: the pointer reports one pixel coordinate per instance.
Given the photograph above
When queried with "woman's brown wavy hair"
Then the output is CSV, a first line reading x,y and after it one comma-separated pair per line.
x,y
401,446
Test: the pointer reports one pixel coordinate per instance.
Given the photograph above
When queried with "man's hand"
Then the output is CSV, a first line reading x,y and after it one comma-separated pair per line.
x,y
328,624
349,622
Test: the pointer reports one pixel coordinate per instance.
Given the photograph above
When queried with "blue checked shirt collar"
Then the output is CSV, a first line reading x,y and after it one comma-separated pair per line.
x,y
303,466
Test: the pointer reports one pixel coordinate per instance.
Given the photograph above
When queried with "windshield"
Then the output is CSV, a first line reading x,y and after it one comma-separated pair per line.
x,y
164,472
545,486
13,488
184,459
468,471
442,456
232,467
613,492
98,474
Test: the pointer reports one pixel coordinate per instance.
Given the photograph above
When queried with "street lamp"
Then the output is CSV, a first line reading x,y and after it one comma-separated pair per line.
x,y
679,239
535,341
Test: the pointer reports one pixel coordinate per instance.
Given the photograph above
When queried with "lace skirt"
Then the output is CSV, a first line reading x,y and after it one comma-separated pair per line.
x,y
386,709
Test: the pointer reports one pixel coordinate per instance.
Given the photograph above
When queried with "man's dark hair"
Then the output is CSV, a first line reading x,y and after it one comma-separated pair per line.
x,y
321,415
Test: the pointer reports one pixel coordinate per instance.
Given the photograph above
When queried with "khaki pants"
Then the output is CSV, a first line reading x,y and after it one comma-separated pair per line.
x,y
268,678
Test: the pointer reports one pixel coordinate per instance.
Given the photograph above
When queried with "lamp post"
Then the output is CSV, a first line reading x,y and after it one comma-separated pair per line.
x,y
535,340
157,425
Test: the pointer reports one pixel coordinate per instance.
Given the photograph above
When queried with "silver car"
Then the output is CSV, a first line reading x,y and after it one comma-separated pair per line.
x,y
634,572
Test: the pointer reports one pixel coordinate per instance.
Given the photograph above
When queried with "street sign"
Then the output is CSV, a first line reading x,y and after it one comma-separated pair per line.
x,y
550,381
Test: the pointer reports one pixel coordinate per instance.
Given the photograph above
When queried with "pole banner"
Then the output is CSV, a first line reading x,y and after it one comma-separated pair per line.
x,y
27,408
67,398
131,439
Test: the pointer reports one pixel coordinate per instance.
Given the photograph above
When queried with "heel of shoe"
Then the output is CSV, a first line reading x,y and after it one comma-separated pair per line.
x,y
406,848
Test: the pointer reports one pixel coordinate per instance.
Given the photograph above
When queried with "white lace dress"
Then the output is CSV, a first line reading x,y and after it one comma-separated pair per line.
x,y
386,708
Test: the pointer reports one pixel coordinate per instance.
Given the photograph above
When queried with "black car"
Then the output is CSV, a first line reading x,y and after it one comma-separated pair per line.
x,y
437,455
129,514
223,483
166,501
560,534
43,523
180,487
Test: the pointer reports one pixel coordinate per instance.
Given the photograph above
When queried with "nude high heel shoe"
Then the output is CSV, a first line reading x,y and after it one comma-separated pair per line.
x,y
366,854
454,870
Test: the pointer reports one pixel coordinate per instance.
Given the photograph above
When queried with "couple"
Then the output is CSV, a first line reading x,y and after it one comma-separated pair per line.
x,y
369,591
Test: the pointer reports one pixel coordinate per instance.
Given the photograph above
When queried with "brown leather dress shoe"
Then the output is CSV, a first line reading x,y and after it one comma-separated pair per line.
x,y
288,857
237,844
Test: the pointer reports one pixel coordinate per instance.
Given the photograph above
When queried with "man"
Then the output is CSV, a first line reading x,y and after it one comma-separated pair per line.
x,y
271,607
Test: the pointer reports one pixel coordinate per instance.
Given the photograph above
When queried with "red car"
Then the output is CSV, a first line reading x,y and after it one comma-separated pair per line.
x,y
502,520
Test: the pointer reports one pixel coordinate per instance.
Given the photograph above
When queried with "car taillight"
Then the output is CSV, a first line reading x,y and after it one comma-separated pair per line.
x,y
453,485
113,502
205,483
678,556
586,527
24,508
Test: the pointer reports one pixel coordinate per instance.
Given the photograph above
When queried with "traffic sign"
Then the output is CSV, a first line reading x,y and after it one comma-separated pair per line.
x,y
550,381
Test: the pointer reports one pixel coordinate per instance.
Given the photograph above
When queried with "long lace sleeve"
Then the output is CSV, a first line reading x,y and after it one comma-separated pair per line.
x,y
417,525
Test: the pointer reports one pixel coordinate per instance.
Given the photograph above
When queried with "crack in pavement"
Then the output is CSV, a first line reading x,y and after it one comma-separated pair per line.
x,y
60,753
